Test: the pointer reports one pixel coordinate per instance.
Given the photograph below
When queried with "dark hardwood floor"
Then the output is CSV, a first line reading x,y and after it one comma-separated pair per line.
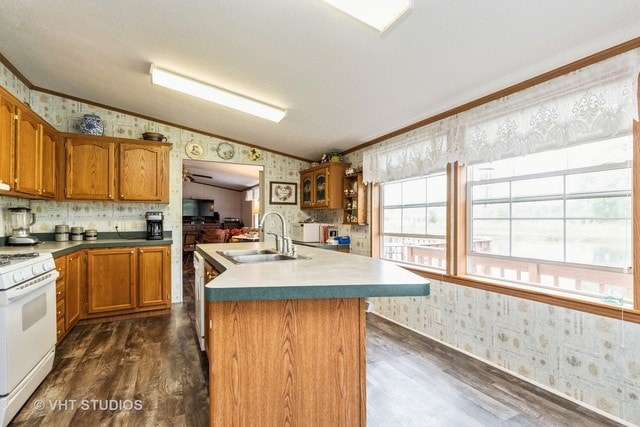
x,y
149,372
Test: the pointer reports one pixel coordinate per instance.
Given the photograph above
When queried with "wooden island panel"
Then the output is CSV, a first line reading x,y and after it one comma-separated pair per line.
x,y
287,362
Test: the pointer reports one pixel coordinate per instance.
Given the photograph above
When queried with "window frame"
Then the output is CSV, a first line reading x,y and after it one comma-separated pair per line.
x,y
377,249
457,241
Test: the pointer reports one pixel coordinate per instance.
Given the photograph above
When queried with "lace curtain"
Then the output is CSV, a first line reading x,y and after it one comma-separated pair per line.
x,y
428,148
595,102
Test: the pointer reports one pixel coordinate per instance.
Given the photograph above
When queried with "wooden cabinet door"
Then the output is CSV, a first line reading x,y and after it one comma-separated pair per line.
x,y
27,153
90,169
141,171
154,268
306,190
74,284
321,188
7,137
111,280
325,186
48,163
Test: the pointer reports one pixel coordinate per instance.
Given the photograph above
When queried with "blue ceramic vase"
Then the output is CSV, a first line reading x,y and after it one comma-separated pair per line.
x,y
91,125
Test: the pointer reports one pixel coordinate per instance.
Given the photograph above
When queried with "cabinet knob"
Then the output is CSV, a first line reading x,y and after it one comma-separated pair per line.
x,y
141,251
122,196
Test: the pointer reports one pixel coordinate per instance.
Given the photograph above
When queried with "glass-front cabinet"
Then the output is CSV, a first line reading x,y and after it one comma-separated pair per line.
x,y
321,186
306,188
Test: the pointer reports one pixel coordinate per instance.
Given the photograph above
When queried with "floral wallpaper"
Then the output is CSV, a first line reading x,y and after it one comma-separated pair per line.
x,y
591,359
65,115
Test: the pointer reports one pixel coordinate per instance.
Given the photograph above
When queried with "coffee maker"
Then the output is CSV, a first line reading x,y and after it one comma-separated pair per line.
x,y
154,225
21,219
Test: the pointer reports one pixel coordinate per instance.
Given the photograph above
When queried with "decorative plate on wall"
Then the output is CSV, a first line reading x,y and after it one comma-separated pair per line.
x,y
226,151
254,154
194,150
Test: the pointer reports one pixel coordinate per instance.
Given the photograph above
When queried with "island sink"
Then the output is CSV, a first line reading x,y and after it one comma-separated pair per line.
x,y
241,252
253,256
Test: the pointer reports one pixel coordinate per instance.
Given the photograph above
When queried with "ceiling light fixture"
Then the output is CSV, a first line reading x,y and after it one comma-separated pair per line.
x,y
214,94
379,14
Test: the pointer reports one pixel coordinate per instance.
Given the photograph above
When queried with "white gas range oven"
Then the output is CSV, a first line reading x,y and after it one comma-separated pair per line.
x,y
27,325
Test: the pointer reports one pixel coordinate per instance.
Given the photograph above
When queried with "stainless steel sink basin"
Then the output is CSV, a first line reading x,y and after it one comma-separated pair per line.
x,y
254,256
248,252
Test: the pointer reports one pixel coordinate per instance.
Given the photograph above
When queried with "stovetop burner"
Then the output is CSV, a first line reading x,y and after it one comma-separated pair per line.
x,y
7,258
23,256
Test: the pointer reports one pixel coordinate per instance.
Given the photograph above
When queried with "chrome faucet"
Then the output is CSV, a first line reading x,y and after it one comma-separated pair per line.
x,y
284,244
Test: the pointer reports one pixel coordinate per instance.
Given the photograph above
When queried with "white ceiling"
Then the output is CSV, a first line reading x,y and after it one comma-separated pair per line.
x,y
226,175
341,82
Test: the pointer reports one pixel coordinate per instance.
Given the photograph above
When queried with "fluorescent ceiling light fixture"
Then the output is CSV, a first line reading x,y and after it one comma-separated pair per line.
x,y
216,95
380,14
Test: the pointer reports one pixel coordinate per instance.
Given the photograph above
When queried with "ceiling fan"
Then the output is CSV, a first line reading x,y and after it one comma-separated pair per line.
x,y
187,176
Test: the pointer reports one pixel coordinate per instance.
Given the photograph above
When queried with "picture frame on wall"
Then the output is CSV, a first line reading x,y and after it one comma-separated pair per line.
x,y
283,193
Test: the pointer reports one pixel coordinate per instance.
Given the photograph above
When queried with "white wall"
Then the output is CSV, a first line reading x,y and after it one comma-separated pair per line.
x,y
228,203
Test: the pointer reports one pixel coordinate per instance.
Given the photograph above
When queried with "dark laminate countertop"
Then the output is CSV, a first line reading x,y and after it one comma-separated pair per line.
x,y
58,249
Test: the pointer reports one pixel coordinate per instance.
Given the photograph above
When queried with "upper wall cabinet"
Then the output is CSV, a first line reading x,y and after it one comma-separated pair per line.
x,y
7,136
103,168
90,168
48,166
321,186
35,154
143,172
28,147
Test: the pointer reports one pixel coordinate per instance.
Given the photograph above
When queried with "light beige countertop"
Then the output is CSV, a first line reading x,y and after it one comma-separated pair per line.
x,y
322,274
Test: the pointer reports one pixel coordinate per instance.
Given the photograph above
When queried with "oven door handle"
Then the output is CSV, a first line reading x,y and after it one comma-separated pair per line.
x,y
31,285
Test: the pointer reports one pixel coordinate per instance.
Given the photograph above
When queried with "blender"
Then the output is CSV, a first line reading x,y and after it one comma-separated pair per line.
x,y
21,219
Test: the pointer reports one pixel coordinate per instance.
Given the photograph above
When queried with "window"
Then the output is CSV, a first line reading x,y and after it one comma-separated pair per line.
x,y
542,189
558,219
414,221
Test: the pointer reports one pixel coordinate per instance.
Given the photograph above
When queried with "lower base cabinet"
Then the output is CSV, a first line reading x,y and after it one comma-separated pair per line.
x,y
287,362
128,280
111,280
69,285
97,283
154,277
75,273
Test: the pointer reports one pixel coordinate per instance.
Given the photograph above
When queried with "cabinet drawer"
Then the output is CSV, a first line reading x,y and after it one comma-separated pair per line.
x,y
60,289
59,329
61,266
60,308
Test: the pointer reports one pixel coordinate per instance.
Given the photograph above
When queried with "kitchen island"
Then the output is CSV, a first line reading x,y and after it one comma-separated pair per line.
x,y
286,339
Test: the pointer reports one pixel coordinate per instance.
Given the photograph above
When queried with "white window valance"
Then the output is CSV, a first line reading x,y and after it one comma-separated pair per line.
x,y
428,148
594,102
